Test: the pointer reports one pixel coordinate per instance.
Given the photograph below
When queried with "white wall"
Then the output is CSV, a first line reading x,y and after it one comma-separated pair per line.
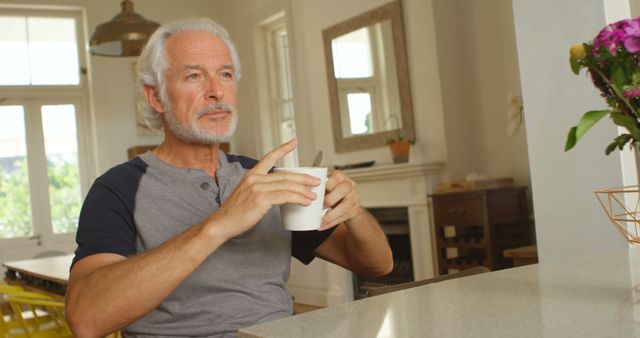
x,y
479,74
308,18
569,220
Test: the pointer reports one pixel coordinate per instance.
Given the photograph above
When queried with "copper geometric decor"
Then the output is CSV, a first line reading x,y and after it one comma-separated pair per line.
x,y
624,217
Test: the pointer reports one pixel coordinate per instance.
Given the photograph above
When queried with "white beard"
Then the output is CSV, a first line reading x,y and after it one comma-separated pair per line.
x,y
192,133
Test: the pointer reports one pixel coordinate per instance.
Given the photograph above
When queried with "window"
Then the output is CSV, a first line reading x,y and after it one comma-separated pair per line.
x,y
44,137
32,44
15,201
283,113
352,55
361,71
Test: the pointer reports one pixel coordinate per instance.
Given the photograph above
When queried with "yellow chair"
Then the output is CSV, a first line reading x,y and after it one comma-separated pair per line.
x,y
6,288
8,320
45,317
5,309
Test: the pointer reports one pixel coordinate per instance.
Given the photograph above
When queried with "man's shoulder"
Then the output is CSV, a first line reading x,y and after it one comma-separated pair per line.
x,y
244,161
130,170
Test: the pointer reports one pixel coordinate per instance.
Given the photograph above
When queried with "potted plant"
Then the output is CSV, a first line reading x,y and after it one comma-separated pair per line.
x,y
612,61
399,146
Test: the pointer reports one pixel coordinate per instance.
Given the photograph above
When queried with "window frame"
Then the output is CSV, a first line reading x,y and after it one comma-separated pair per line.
x,y
275,73
78,16
32,98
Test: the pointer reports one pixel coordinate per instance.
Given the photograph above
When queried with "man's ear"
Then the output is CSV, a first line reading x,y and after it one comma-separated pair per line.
x,y
153,98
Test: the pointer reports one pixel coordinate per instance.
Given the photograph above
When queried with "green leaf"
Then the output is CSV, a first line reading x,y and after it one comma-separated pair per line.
x,y
588,120
611,147
575,65
623,139
618,78
627,122
619,142
571,139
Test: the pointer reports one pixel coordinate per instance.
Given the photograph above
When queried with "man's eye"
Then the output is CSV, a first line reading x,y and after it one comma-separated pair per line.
x,y
194,76
227,75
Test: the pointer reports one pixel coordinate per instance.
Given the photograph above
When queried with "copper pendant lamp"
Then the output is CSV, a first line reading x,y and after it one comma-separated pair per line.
x,y
124,35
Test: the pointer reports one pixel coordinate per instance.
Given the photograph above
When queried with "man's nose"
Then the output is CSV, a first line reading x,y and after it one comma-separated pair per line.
x,y
215,90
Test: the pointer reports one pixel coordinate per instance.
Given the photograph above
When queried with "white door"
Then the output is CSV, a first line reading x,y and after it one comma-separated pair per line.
x,y
45,133
41,186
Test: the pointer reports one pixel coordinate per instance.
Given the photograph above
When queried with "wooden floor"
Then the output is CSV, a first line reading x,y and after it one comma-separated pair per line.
x,y
302,308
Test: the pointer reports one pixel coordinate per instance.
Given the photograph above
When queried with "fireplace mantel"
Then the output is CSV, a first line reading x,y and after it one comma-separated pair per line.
x,y
404,185
384,172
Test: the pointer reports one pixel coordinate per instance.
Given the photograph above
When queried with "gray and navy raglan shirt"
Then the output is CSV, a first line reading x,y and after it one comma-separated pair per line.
x,y
140,204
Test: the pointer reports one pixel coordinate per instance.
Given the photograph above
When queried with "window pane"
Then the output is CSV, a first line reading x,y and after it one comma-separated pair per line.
x,y
352,55
61,148
287,133
14,58
359,112
53,51
15,202
285,110
282,53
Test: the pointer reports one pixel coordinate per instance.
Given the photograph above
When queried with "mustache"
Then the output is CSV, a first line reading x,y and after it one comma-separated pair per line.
x,y
215,106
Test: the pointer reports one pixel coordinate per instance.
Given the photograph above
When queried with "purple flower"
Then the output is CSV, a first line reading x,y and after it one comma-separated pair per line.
x,y
632,93
622,33
632,28
609,37
632,44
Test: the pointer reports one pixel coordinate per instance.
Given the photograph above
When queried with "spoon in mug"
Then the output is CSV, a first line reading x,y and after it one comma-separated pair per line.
x,y
317,159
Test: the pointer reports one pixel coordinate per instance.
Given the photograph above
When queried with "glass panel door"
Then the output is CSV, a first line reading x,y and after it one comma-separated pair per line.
x,y
15,200
63,171
40,180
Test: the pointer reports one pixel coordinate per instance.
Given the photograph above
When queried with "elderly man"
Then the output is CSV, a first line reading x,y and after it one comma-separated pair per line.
x,y
187,241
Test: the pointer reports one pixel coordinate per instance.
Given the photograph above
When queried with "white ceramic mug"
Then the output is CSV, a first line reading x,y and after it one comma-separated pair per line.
x,y
297,217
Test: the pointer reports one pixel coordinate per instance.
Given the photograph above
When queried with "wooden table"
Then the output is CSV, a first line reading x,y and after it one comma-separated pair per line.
x,y
523,256
48,275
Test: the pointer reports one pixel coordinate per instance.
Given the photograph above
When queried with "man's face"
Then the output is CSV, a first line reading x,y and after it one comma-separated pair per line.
x,y
200,88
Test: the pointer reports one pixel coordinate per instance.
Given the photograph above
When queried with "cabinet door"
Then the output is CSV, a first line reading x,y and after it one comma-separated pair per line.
x,y
459,211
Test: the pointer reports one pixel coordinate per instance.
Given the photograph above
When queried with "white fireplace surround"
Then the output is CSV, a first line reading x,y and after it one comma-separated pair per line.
x,y
385,186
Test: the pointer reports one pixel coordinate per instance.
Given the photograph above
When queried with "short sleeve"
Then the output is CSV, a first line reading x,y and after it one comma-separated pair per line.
x,y
303,243
106,223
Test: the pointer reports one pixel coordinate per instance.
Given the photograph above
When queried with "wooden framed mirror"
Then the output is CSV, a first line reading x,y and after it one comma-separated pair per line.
x,y
368,79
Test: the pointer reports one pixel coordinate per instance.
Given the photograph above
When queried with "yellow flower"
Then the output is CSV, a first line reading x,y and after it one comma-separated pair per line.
x,y
577,51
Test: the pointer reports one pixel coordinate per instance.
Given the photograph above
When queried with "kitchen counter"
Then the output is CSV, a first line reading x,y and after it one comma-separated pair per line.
x,y
595,296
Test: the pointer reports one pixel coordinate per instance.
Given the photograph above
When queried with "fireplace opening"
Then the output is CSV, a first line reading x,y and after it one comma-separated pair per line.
x,y
395,224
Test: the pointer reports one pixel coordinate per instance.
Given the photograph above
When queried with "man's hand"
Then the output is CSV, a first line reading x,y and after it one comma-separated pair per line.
x,y
358,244
259,190
343,199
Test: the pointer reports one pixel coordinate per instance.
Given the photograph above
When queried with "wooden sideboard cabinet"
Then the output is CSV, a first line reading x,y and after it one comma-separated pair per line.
x,y
474,227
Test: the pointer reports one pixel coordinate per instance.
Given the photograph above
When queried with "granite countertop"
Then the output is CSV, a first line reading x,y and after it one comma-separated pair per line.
x,y
596,296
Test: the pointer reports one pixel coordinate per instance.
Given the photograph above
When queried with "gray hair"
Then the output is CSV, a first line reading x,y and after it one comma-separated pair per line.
x,y
153,61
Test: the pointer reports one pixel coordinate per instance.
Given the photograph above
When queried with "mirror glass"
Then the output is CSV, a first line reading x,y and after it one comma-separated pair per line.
x,y
368,80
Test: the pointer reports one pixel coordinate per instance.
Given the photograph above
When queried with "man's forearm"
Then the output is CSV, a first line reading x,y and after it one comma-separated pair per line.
x,y
367,247
105,299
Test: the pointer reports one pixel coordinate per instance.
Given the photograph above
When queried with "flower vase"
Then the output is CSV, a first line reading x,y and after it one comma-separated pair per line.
x,y
622,207
400,151
623,211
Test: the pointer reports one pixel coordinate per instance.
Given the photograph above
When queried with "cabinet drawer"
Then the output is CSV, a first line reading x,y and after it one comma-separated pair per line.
x,y
452,212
